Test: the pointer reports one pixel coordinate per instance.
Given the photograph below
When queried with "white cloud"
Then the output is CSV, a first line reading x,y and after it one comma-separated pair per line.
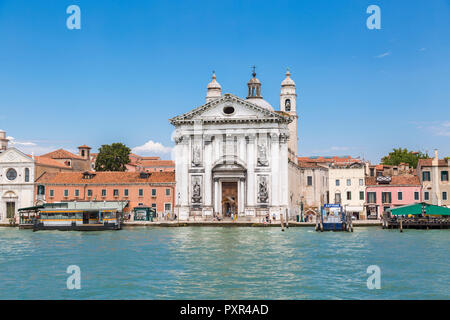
x,y
383,55
331,150
17,143
436,128
442,129
151,148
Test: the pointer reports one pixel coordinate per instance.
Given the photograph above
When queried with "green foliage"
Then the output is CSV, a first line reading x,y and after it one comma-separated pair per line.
x,y
112,157
400,155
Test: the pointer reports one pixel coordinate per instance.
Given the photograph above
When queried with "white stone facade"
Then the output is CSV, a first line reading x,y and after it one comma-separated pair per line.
x,y
16,184
351,179
231,157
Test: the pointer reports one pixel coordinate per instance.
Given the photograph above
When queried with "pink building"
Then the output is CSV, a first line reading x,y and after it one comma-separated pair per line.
x,y
385,192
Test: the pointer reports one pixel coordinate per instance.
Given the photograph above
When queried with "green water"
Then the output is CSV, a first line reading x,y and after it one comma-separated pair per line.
x,y
224,263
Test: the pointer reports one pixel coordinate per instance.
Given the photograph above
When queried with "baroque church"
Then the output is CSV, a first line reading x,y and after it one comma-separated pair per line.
x,y
238,156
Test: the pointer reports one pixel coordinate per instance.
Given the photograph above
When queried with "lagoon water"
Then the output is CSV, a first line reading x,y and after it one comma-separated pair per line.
x,y
225,263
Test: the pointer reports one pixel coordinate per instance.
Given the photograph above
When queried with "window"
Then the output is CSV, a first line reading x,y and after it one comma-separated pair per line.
x,y
444,195
361,182
27,175
167,192
361,195
337,198
141,192
153,192
337,182
349,195
116,192
77,193
416,195
154,206
309,178
228,110
287,105
66,193
167,207
444,175
426,176
125,192
349,182
11,174
89,193
400,195
371,197
426,195
52,193
103,192
372,172
386,197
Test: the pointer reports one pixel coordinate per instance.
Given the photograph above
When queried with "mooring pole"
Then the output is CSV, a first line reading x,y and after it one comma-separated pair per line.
x,y
401,224
282,221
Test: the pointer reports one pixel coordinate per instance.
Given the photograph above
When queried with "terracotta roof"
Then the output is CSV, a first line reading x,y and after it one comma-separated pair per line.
x,y
49,162
396,180
85,147
157,163
309,165
428,162
106,177
331,159
61,154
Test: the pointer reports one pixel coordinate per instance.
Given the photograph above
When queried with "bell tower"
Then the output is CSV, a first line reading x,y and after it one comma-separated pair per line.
x,y
288,104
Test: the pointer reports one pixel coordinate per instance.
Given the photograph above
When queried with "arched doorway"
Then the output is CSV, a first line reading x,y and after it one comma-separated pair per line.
x,y
229,177
9,205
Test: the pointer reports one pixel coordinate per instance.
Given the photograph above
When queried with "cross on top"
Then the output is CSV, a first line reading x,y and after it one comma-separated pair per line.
x,y
254,70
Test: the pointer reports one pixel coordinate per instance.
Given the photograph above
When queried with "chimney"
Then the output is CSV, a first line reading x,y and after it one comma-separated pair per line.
x,y
435,161
3,141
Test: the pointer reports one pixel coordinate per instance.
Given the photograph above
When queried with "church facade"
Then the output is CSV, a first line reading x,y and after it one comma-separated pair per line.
x,y
236,156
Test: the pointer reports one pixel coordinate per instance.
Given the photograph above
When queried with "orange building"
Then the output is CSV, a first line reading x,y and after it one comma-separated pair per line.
x,y
137,189
143,164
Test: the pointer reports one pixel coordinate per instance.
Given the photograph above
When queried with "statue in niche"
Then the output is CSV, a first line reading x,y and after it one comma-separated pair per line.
x,y
287,105
263,193
262,156
196,197
196,159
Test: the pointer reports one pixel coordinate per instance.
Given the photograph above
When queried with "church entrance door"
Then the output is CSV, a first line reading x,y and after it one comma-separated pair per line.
x,y
229,198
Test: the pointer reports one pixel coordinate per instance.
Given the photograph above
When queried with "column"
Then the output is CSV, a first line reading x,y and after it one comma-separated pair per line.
x,y
275,165
216,196
251,191
207,162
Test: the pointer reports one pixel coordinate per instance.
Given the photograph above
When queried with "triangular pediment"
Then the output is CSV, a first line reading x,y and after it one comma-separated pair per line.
x,y
229,108
13,155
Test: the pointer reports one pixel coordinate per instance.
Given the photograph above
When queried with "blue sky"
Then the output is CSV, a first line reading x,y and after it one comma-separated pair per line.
x,y
135,64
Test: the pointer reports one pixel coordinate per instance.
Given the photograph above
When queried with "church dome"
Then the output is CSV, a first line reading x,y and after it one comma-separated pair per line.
x,y
214,84
260,102
288,81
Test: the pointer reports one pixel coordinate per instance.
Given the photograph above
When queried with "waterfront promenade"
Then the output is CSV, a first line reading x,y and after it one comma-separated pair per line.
x,y
229,223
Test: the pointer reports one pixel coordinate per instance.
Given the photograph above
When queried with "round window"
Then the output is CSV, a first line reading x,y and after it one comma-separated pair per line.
x,y
11,174
228,110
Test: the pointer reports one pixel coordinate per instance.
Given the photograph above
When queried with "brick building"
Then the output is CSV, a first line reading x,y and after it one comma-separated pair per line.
x,y
154,190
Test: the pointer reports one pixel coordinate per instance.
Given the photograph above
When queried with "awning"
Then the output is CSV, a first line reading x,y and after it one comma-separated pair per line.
x,y
418,208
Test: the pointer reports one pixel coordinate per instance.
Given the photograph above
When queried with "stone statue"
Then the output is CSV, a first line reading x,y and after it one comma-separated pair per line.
x,y
196,196
262,156
196,161
263,194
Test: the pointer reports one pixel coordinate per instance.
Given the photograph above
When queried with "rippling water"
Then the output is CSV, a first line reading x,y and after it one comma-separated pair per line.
x,y
224,263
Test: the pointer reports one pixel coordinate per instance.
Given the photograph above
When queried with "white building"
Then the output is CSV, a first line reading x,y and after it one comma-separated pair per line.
x,y
347,187
236,155
313,187
16,181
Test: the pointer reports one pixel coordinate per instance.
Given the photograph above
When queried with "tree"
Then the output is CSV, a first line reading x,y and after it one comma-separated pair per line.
x,y
112,157
400,155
